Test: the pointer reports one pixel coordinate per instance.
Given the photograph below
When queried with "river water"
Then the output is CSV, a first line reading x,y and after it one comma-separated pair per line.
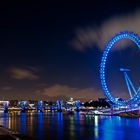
x,y
59,126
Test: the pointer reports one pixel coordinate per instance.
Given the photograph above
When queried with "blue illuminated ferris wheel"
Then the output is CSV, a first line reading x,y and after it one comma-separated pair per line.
x,y
134,99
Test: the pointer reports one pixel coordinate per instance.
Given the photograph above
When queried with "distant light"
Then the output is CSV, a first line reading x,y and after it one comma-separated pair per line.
x,y
121,69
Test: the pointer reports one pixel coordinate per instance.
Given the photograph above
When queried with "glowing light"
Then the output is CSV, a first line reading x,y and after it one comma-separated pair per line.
x,y
96,120
122,35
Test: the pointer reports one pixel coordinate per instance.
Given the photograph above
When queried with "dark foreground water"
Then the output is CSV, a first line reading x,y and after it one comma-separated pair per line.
x,y
59,126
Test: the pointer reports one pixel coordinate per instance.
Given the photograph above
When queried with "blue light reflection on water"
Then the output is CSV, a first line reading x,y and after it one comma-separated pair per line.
x,y
117,128
110,126
40,126
61,126
4,120
23,123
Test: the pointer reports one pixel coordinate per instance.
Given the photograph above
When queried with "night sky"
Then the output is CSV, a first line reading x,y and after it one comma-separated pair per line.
x,y
53,50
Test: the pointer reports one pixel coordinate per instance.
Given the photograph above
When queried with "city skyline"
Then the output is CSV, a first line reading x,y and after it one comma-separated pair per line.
x,y
53,50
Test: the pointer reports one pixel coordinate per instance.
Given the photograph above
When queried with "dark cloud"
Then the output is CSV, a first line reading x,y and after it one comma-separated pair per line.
x,y
97,36
21,74
7,88
58,91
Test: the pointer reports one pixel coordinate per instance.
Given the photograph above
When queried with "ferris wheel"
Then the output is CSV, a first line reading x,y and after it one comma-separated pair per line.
x,y
134,98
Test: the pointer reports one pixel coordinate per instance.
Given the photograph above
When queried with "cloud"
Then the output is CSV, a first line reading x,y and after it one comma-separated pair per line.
x,y
98,36
64,92
7,88
21,74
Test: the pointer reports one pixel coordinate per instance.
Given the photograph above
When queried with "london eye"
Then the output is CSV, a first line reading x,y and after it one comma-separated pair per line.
x,y
133,98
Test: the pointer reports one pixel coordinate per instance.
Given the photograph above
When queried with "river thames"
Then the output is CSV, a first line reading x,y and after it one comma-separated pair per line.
x,y
59,126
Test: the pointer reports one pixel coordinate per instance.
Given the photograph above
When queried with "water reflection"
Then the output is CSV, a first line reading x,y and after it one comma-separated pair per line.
x,y
6,120
138,122
30,123
23,123
72,127
96,130
120,128
40,126
60,126
96,121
